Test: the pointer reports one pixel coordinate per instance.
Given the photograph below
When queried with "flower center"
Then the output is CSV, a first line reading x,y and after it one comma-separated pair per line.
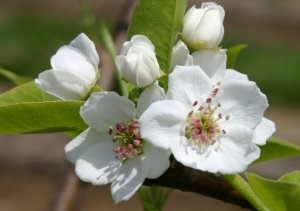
x,y
128,137
203,122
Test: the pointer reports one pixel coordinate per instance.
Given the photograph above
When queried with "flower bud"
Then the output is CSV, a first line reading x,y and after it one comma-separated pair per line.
x,y
203,27
137,61
74,70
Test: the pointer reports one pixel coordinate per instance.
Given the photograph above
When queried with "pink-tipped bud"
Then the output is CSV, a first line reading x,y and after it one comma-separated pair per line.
x,y
136,142
116,150
121,127
215,91
208,100
130,146
119,158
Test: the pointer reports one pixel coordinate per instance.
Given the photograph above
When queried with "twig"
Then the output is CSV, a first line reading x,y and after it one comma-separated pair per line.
x,y
67,196
191,180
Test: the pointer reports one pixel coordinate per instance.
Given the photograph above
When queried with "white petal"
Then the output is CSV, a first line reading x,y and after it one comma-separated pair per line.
x,y
252,153
188,84
98,164
150,95
148,70
163,122
243,102
235,75
87,47
210,60
131,176
72,60
105,109
158,160
81,143
263,131
227,156
180,55
63,85
142,40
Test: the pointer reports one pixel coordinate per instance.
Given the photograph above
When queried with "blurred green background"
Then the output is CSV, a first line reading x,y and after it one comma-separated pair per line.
x,y
31,31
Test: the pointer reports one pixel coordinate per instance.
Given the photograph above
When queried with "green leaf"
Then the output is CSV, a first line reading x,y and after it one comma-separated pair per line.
x,y
41,117
276,149
154,198
276,195
232,54
28,92
239,183
14,78
160,21
293,177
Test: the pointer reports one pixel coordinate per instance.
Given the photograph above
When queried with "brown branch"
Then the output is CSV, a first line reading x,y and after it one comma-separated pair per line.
x,y
66,197
187,179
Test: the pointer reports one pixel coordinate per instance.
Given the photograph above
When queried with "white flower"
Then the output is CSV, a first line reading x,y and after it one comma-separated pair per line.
x,y
203,27
111,149
210,127
180,55
213,63
74,70
137,61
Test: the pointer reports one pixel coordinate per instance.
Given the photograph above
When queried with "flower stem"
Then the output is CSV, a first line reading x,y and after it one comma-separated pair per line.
x,y
108,43
236,181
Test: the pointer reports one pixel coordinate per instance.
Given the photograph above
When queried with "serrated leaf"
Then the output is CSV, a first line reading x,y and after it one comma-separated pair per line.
x,y
277,149
41,117
28,92
276,195
14,78
232,54
160,21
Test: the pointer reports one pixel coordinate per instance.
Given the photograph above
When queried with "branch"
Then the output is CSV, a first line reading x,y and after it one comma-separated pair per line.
x,y
187,179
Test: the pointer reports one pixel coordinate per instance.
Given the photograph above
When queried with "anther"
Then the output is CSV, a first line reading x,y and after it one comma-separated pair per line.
x,y
208,100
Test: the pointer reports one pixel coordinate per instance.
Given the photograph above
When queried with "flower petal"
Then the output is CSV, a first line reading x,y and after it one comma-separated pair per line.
x,y
235,75
131,176
98,164
87,47
82,142
70,59
158,159
210,60
180,55
226,156
188,84
163,122
105,109
62,84
150,95
263,131
243,102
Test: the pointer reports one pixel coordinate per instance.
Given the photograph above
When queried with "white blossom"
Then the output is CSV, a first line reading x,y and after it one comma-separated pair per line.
x,y
203,27
74,70
111,150
137,61
213,63
207,126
